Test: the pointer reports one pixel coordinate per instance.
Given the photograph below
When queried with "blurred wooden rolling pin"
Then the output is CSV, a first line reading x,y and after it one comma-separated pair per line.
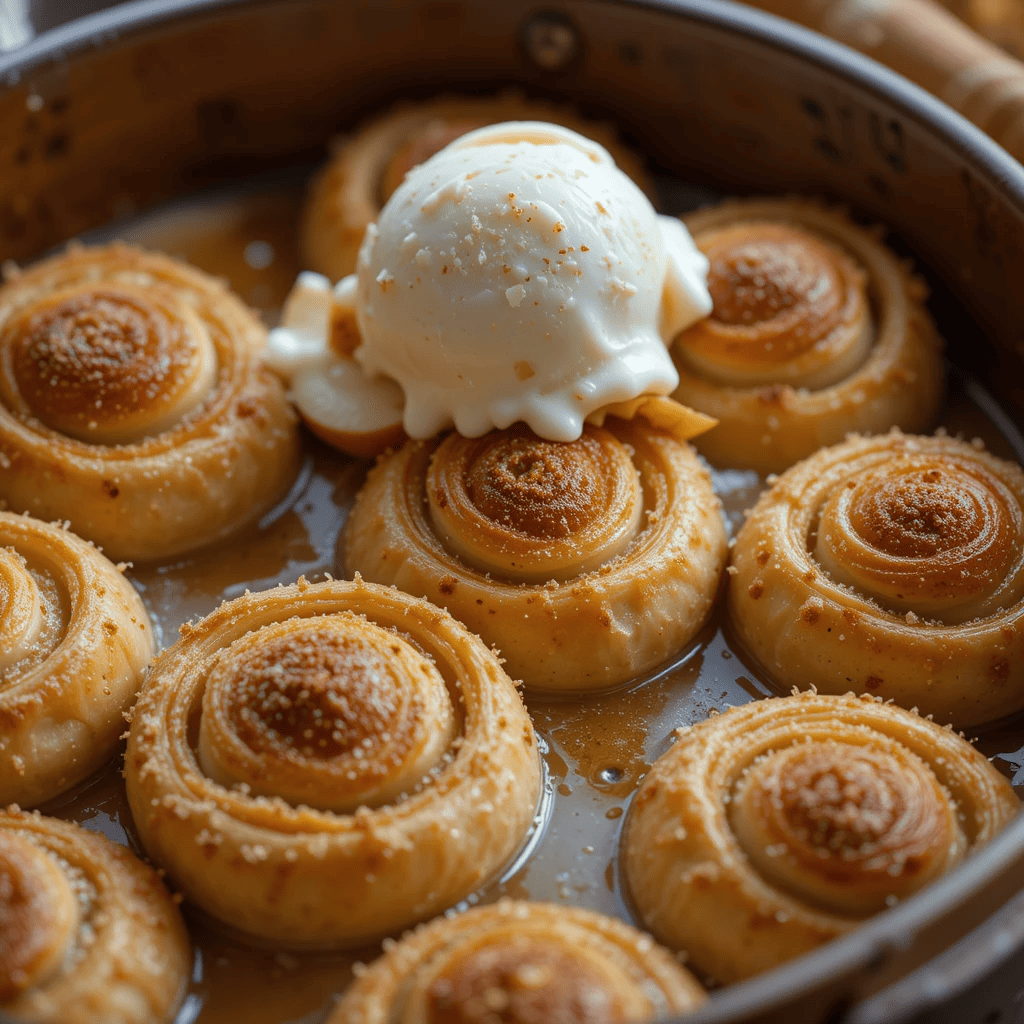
x,y
931,47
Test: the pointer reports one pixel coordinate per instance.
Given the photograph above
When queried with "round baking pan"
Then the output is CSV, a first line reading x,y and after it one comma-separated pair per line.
x,y
106,116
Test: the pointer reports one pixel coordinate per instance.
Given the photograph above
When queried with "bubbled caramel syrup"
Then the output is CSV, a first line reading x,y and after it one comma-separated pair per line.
x,y
596,751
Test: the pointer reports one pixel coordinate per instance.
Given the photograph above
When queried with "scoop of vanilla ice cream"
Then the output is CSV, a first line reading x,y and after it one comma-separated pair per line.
x,y
518,274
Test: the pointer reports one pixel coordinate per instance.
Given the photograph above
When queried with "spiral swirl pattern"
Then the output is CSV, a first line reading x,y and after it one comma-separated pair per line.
x,y
348,739
817,331
89,932
75,640
788,821
521,963
894,566
337,714
27,629
133,403
39,912
789,307
109,366
941,537
846,827
585,563
531,510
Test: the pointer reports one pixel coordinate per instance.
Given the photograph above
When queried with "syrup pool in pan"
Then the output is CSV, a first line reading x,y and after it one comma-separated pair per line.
x,y
596,750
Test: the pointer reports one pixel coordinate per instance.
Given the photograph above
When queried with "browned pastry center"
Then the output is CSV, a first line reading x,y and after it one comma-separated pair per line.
x,y
780,824
537,488
920,515
106,364
760,279
310,694
332,712
522,980
789,306
936,536
33,612
527,509
843,826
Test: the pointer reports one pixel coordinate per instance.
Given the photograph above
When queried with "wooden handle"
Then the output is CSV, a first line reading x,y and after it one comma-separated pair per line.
x,y
931,47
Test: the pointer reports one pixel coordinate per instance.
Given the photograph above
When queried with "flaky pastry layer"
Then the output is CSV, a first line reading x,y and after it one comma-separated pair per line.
x,y
75,640
191,438
774,827
523,961
291,873
778,417
894,566
120,953
558,628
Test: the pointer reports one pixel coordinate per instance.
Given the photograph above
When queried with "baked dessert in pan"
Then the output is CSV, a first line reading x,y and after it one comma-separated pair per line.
x,y
90,931
133,404
524,961
75,641
819,330
362,763
213,766
788,821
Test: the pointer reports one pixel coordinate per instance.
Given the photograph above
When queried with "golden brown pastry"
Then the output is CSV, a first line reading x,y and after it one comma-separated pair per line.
x,y
585,563
75,640
321,765
87,931
776,826
369,165
818,330
521,963
133,405
891,565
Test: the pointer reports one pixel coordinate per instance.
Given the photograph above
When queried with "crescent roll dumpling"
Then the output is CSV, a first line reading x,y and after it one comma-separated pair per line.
x,y
891,565
788,821
89,933
75,640
520,963
322,765
370,164
818,330
585,563
133,404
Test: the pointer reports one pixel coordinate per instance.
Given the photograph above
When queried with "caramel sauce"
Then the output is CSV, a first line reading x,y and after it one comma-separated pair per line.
x,y
596,750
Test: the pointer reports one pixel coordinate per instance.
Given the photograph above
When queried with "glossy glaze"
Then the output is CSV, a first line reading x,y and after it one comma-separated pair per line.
x,y
596,750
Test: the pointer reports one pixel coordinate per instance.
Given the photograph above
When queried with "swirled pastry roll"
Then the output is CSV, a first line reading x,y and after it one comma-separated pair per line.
x,y
586,563
88,932
521,963
781,824
321,765
74,642
369,165
133,404
891,565
818,330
